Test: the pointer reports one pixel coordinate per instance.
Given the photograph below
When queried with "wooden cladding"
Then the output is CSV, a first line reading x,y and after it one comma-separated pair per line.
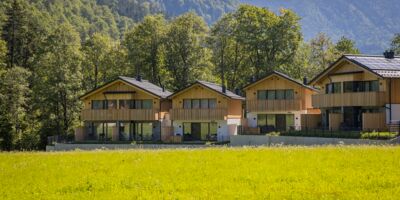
x,y
273,105
349,99
198,114
119,114
374,121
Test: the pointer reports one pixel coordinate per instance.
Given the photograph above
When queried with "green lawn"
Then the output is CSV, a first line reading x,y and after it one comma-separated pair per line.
x,y
220,173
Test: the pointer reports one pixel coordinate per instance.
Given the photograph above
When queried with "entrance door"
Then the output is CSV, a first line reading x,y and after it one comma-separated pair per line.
x,y
352,117
281,122
196,131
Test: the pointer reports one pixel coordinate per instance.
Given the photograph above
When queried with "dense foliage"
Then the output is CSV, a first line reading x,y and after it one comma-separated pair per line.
x,y
222,173
51,52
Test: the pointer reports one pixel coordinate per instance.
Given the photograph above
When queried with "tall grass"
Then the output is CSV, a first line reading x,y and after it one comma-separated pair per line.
x,y
223,173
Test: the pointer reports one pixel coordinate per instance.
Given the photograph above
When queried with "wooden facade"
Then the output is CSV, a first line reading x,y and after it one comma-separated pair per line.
x,y
225,107
118,90
349,99
301,99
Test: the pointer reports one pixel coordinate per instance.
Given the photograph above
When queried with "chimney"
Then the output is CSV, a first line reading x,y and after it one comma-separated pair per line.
x,y
139,77
237,91
389,54
223,88
305,81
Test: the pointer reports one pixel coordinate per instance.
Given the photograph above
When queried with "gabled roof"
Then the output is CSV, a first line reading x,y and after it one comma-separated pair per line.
x,y
145,85
376,64
212,86
283,76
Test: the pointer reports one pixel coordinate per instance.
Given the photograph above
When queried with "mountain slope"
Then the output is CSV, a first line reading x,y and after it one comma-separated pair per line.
x,y
370,23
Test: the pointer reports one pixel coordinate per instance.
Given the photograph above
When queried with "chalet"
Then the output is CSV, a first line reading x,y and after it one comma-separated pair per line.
x,y
126,109
205,111
277,102
359,92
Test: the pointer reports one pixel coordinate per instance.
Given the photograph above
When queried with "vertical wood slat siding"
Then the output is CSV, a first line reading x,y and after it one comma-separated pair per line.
x,y
349,99
119,114
374,121
273,105
198,114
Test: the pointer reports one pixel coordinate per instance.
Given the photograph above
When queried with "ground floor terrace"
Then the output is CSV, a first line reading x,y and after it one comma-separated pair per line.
x,y
205,130
354,118
119,131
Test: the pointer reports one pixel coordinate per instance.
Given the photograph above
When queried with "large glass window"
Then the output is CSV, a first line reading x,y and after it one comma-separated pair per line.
x,y
289,94
147,104
195,103
261,94
187,103
361,86
125,131
98,104
280,94
212,103
112,104
261,120
333,88
289,121
213,128
147,131
187,128
271,94
204,131
271,120
138,104
204,103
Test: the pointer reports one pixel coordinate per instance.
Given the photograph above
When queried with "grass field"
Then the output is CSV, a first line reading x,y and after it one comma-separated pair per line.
x,y
221,173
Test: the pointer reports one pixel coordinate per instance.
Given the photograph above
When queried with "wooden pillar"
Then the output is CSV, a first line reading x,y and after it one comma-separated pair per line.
x,y
79,134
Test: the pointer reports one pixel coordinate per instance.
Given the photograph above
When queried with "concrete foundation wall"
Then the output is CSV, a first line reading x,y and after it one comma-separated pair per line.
x,y
257,140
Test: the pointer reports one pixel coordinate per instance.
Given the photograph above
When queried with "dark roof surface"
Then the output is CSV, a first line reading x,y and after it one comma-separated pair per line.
x,y
147,86
212,86
218,88
143,84
284,76
379,65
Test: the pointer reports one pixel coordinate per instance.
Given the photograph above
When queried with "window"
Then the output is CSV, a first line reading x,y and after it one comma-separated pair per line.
x,y
333,88
195,103
212,103
187,103
138,104
280,94
112,104
270,94
204,103
204,131
289,94
361,86
261,94
187,128
98,104
261,120
199,103
271,120
147,104
213,128
289,121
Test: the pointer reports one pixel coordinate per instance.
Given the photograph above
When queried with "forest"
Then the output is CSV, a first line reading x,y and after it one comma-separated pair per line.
x,y
51,52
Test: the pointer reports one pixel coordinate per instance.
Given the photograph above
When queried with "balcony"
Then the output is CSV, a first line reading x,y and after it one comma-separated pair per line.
x,y
119,114
349,99
273,105
198,114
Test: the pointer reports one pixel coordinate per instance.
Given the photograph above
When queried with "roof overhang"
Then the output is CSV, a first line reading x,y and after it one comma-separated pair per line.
x,y
336,64
199,84
280,75
108,84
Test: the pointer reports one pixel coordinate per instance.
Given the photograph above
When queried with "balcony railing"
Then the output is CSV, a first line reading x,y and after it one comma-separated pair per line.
x,y
273,105
198,114
349,99
119,114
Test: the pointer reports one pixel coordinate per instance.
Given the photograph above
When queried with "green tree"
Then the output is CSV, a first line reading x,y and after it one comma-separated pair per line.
x,y
270,40
14,92
15,33
322,51
146,50
58,82
3,54
96,51
187,57
228,54
395,45
346,46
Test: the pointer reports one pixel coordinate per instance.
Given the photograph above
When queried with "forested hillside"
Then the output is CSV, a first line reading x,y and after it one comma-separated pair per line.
x,y
51,52
370,23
